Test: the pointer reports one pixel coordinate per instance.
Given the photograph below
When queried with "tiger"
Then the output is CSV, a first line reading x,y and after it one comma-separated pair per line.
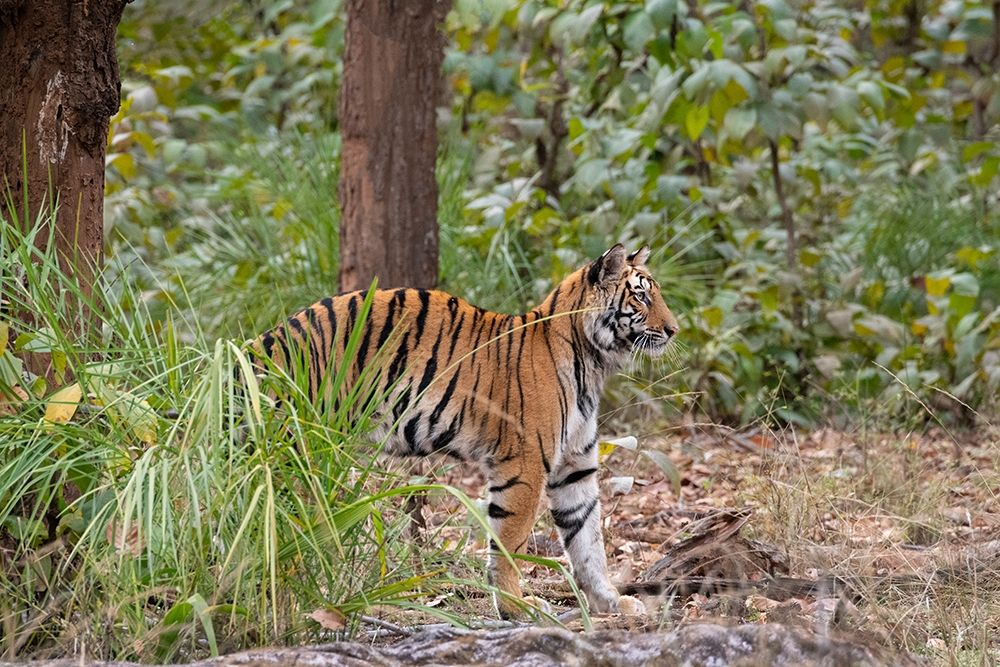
x,y
516,393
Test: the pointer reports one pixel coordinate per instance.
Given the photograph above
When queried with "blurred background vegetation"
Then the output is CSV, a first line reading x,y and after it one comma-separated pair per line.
x,y
572,125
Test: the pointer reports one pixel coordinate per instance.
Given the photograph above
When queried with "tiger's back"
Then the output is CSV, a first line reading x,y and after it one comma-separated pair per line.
x,y
434,359
519,393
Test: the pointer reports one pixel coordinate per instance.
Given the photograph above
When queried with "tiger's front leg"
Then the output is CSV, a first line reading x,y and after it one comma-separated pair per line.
x,y
513,503
576,510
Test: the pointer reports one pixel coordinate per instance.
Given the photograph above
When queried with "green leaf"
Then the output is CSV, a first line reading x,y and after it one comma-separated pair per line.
x,y
572,28
987,172
738,122
43,340
10,370
965,284
170,629
662,12
591,174
770,121
204,613
872,94
665,84
638,30
975,149
695,84
667,466
844,105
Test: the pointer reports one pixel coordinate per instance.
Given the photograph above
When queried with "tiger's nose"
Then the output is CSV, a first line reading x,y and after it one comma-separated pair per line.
x,y
670,331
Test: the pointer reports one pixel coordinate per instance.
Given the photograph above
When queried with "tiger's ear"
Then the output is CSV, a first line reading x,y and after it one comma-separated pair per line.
x,y
639,257
608,267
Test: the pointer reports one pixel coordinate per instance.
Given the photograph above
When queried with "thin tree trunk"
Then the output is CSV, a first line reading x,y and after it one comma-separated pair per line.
x,y
791,250
388,189
59,87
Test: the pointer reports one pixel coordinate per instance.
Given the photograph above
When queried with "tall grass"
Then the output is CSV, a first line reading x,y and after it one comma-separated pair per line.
x,y
177,512
905,232
265,239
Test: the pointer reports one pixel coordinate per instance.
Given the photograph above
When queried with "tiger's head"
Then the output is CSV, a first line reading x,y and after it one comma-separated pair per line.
x,y
626,311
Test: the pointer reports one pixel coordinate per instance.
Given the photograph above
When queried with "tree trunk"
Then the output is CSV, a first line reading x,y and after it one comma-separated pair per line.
x,y
59,87
791,248
388,189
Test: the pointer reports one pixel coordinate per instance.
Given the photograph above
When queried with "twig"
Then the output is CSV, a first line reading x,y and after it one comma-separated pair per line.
x,y
386,625
569,615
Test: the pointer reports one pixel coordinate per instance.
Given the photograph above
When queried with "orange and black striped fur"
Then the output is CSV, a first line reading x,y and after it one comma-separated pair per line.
x,y
519,393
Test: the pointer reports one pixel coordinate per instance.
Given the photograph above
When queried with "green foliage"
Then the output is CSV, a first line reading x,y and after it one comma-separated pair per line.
x,y
673,116
575,124
158,505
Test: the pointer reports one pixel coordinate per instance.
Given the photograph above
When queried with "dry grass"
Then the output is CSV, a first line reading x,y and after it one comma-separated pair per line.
x,y
912,520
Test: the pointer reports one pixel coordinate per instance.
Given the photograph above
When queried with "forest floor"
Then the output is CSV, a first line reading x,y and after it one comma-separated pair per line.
x,y
892,540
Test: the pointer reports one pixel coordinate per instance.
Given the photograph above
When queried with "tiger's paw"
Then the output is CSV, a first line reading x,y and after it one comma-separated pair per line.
x,y
528,609
617,604
603,603
631,606
541,605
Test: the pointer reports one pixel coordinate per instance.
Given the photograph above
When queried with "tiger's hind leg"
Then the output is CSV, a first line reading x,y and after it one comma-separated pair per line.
x,y
513,503
576,510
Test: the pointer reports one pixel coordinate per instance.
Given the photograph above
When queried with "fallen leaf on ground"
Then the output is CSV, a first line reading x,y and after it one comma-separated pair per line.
x,y
331,619
9,403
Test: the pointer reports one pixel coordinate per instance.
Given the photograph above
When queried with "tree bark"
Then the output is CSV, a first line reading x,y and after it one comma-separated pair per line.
x,y
59,87
388,189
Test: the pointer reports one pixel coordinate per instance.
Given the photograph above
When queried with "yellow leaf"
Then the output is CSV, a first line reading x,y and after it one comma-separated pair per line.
x,y
124,163
4,332
695,121
844,207
954,47
281,208
713,316
894,68
809,257
608,446
936,286
734,91
63,404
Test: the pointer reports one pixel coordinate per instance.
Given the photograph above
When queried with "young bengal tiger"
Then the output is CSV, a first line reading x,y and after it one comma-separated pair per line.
x,y
518,393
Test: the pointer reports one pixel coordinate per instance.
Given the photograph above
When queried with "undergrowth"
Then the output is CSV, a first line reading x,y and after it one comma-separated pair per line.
x,y
154,505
